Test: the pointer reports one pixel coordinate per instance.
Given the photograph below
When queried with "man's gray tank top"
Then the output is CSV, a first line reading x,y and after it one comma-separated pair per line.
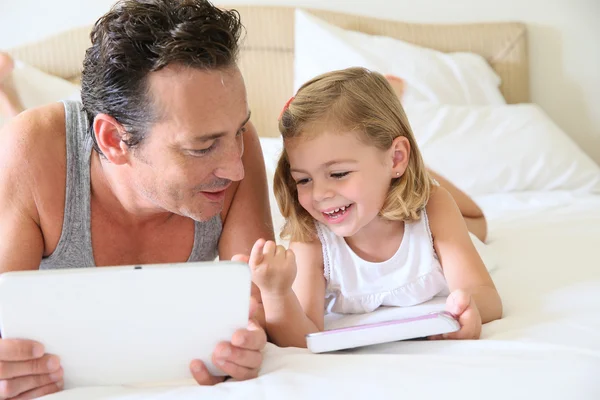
x,y
74,249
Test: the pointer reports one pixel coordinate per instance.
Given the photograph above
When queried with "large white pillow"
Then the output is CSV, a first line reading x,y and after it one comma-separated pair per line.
x,y
433,76
493,149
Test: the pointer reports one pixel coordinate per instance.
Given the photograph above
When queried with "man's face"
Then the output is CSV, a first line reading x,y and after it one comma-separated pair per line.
x,y
193,153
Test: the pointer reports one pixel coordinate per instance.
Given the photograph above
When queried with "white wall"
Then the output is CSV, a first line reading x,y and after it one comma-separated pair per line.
x,y
564,41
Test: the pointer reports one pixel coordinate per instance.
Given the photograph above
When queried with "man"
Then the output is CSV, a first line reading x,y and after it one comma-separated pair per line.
x,y
159,164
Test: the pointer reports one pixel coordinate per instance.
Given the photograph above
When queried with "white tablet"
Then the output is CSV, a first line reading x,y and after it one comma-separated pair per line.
x,y
435,323
127,325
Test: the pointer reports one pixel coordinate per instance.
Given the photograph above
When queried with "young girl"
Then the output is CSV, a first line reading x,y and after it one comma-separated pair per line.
x,y
368,226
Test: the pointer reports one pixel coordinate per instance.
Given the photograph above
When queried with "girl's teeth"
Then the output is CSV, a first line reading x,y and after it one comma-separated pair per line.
x,y
343,208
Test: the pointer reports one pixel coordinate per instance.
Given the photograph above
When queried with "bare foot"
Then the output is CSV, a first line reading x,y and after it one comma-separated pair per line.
x,y
10,104
6,65
397,84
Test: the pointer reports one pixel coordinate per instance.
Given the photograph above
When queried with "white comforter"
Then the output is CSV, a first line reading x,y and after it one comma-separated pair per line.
x,y
547,345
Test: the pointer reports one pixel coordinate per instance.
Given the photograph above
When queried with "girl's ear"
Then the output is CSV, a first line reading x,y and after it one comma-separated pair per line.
x,y
400,156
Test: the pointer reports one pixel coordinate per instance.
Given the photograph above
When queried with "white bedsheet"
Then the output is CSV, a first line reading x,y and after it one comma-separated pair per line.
x,y
547,345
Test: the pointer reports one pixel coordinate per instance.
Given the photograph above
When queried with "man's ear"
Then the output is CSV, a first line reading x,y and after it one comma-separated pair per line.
x,y
109,136
400,156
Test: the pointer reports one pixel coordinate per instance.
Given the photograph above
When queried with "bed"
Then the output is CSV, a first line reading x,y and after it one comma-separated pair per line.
x,y
544,231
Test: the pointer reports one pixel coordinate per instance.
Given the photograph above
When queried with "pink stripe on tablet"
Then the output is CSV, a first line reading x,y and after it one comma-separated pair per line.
x,y
386,323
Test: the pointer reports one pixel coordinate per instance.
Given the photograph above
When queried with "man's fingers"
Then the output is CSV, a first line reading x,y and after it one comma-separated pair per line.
x,y
201,374
44,365
240,359
20,350
238,372
253,338
256,255
253,307
241,258
226,353
10,388
41,391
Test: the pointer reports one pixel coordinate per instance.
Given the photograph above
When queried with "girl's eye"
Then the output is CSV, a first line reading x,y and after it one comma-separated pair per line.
x,y
302,181
339,175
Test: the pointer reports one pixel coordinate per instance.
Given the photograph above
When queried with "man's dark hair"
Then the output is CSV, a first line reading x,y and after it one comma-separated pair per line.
x,y
137,37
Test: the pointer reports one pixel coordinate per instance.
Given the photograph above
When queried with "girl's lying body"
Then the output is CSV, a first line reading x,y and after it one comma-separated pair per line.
x,y
368,224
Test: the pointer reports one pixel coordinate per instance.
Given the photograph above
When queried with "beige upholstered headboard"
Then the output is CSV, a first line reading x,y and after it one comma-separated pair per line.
x,y
267,53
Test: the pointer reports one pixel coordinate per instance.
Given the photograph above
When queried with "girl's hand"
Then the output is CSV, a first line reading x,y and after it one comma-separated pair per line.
x,y
461,305
273,268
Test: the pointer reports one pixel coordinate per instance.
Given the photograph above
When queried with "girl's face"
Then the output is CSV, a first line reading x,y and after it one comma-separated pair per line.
x,y
341,181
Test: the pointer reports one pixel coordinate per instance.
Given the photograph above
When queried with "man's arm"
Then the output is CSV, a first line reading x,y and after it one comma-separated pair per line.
x,y
21,240
24,368
247,217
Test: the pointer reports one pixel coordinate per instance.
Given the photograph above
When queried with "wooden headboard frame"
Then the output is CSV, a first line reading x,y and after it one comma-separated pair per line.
x,y
267,54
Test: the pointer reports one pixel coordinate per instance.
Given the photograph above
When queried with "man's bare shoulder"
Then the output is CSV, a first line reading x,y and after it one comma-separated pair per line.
x,y
38,131
35,127
32,153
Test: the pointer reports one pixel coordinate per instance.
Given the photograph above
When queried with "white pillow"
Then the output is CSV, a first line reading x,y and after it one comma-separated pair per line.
x,y
271,148
429,75
493,149
36,88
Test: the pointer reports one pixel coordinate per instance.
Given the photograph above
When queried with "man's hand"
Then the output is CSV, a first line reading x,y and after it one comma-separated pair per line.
x,y
241,359
26,372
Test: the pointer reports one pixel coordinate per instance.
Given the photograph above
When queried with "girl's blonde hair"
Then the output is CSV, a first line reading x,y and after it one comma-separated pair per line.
x,y
352,100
